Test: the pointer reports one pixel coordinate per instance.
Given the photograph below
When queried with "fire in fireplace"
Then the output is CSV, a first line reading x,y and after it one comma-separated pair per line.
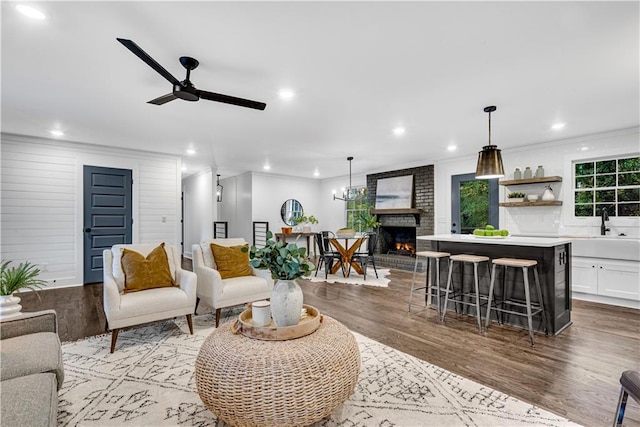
x,y
398,240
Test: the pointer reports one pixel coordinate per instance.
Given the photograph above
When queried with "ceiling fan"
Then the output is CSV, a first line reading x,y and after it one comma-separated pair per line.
x,y
185,89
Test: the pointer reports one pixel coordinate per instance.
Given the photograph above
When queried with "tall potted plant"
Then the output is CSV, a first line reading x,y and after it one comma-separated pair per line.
x,y
13,279
286,262
366,221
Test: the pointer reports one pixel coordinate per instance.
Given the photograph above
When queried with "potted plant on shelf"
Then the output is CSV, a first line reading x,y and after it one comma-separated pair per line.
x,y
286,262
515,196
13,279
305,221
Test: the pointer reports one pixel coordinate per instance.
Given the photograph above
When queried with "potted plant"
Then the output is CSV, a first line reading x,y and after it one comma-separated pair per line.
x,y
286,262
366,221
13,279
515,196
306,221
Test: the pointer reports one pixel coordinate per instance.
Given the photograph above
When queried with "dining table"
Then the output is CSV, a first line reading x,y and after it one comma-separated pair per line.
x,y
346,252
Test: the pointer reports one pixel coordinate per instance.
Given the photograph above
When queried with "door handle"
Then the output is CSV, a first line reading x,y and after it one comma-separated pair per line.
x,y
87,230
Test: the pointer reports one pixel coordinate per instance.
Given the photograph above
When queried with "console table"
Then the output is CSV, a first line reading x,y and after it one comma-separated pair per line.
x,y
246,381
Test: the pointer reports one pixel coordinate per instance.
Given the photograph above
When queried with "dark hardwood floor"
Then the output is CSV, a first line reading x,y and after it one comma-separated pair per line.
x,y
575,374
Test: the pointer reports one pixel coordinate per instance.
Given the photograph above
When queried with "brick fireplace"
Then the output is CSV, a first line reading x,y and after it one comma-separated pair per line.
x,y
401,226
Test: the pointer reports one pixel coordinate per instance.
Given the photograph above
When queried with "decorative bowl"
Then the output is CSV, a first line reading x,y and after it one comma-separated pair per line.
x,y
532,197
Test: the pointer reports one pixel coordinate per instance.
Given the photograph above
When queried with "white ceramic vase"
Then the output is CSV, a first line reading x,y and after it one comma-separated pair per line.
x,y
286,303
9,306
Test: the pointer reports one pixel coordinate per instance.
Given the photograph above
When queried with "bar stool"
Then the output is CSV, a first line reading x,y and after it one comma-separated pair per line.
x,y
531,308
629,386
466,259
429,255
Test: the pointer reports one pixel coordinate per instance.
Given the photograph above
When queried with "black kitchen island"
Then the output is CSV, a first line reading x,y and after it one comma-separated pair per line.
x,y
554,267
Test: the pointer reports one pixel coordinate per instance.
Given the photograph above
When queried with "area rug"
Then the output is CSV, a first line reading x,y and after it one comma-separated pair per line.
x,y
354,278
150,381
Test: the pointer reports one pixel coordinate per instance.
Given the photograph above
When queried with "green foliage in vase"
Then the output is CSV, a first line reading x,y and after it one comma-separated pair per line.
x,y
284,261
303,219
366,220
15,278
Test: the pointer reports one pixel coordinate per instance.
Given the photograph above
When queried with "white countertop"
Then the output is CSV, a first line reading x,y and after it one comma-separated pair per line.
x,y
543,242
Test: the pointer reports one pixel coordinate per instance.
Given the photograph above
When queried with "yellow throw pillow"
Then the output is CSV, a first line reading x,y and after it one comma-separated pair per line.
x,y
231,260
142,273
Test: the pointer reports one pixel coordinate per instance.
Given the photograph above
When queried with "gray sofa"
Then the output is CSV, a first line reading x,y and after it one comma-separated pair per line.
x,y
31,369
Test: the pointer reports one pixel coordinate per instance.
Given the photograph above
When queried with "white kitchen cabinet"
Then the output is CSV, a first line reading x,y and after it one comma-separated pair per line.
x,y
611,278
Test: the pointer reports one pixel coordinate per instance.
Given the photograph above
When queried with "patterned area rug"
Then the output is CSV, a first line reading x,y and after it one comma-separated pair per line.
x,y
354,278
150,381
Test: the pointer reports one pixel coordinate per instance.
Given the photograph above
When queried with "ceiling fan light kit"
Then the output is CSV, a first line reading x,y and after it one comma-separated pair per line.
x,y
185,89
489,159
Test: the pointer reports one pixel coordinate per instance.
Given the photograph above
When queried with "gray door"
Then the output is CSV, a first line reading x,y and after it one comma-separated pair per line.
x,y
474,203
107,215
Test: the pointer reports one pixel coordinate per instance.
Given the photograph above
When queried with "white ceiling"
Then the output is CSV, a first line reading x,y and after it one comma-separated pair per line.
x,y
359,69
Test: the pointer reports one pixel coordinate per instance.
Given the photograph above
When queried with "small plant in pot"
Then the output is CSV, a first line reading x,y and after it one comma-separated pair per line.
x,y
13,279
286,262
515,196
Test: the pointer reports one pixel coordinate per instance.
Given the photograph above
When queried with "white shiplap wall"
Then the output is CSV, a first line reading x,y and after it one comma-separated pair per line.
x,y
41,201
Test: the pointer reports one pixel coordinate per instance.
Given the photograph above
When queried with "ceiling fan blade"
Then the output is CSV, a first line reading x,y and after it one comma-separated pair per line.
x,y
137,50
163,99
231,100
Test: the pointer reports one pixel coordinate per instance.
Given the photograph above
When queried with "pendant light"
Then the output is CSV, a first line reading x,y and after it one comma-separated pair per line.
x,y
350,194
489,159
219,189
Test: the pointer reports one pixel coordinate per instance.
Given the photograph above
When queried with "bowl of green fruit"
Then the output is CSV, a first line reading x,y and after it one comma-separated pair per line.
x,y
490,232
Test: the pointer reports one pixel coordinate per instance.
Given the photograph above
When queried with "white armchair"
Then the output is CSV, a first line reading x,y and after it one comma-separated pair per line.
x,y
220,293
134,308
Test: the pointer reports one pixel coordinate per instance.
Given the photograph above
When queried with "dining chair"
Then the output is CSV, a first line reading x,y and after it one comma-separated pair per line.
x,y
326,255
364,257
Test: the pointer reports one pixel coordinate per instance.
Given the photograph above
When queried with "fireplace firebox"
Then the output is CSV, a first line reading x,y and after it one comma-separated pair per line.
x,y
398,240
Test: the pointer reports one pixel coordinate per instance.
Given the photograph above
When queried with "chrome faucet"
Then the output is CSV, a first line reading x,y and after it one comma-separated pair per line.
x,y
605,217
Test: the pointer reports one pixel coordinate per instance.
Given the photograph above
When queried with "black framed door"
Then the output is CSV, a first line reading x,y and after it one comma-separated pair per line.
x,y
474,203
108,213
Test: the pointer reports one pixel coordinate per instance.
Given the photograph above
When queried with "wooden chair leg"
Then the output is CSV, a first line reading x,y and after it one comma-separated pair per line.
x,y
114,338
218,311
190,322
195,311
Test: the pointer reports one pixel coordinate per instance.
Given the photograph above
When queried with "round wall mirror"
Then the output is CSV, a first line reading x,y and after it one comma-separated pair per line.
x,y
289,210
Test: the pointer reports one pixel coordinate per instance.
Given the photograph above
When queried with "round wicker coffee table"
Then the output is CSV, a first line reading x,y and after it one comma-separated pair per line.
x,y
249,382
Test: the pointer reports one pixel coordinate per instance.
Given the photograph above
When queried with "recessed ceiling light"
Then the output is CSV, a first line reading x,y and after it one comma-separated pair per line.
x,y
316,173
266,166
452,148
584,148
56,132
399,131
558,126
29,11
191,151
286,94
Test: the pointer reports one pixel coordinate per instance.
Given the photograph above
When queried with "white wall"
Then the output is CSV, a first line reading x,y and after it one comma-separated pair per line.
x,y
556,158
200,208
42,202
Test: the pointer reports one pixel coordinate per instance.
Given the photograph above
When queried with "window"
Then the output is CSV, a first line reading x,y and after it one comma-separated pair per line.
x,y
611,184
356,206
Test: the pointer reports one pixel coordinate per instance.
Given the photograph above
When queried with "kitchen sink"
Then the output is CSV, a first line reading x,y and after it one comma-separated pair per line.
x,y
613,247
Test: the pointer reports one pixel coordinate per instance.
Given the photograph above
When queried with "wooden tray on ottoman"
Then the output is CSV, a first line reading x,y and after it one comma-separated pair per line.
x,y
306,326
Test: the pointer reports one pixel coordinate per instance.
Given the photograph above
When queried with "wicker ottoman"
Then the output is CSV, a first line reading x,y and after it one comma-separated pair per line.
x,y
249,382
